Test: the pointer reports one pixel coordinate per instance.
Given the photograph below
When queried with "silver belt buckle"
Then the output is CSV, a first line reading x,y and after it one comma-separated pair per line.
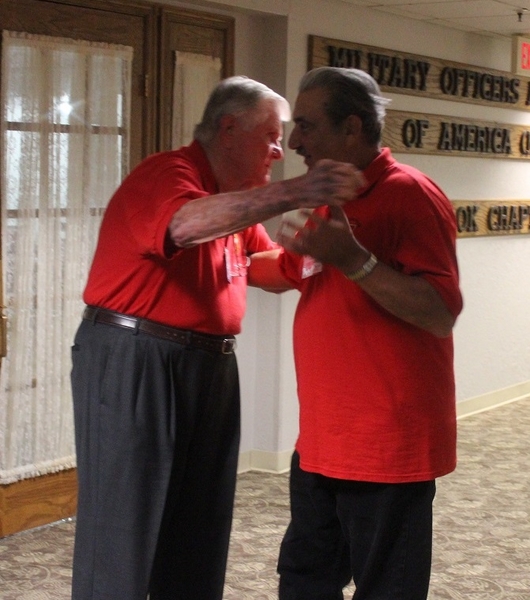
x,y
228,346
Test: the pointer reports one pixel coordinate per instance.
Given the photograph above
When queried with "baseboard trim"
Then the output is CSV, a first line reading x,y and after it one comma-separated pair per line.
x,y
280,462
260,460
41,500
492,400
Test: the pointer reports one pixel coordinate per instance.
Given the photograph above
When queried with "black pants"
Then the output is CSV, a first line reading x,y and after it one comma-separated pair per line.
x,y
157,439
378,534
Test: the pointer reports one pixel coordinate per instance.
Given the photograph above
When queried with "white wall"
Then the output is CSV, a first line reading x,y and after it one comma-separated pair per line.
x,y
492,351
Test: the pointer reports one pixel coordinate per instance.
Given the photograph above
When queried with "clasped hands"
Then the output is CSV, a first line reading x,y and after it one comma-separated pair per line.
x,y
328,240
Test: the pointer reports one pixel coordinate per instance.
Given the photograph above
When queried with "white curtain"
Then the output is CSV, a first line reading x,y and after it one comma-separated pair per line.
x,y
195,77
65,138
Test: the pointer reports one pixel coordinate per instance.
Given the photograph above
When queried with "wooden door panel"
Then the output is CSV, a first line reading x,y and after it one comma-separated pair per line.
x,y
196,32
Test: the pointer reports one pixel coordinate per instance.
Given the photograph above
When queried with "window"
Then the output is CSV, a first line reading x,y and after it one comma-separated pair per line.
x,y
65,148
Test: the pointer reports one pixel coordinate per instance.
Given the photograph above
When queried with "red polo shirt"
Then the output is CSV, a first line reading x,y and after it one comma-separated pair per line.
x,y
377,395
132,272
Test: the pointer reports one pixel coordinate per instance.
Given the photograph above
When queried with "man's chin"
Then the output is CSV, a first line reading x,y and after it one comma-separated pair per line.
x,y
308,162
260,182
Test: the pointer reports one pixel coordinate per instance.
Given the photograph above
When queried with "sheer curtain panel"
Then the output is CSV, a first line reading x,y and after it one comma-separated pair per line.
x,y
195,77
65,139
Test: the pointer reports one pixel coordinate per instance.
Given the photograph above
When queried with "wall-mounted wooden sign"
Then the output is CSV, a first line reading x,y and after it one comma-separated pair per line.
x,y
477,218
403,73
420,133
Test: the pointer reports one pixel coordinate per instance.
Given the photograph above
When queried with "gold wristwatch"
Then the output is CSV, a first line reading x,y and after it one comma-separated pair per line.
x,y
365,270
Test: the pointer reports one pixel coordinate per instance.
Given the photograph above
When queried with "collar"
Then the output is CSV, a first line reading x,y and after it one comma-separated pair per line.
x,y
197,154
375,170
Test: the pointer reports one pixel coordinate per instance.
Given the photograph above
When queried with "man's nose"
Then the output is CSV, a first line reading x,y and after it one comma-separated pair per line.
x,y
294,142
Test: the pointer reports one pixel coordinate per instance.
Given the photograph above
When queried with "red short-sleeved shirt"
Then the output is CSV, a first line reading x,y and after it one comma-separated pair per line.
x,y
131,272
377,397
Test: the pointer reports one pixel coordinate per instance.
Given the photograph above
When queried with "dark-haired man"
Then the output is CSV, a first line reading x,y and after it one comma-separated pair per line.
x,y
374,356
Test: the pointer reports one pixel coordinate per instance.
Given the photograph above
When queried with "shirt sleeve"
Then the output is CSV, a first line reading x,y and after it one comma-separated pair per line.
x,y
290,265
151,194
427,246
258,240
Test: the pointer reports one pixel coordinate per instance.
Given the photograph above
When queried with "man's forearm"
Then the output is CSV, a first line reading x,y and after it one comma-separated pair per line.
x,y
264,272
211,217
215,216
409,298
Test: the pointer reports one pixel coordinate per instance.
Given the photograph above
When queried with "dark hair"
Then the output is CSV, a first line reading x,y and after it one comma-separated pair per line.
x,y
351,92
236,96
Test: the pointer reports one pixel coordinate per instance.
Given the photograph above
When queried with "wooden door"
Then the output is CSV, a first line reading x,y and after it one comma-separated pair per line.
x,y
195,32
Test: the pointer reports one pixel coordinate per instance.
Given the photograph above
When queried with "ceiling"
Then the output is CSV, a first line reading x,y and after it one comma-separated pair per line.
x,y
502,18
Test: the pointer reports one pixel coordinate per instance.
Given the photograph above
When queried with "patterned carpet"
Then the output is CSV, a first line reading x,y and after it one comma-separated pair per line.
x,y
482,526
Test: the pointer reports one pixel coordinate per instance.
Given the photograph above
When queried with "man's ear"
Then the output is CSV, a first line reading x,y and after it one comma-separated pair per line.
x,y
353,125
226,130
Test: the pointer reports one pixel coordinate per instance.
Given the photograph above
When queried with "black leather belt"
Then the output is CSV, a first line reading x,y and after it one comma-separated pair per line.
x,y
212,343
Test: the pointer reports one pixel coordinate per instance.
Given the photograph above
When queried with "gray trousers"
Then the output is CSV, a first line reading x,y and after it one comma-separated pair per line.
x,y
157,437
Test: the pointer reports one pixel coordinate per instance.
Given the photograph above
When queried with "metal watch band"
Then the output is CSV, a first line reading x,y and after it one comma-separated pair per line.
x,y
365,270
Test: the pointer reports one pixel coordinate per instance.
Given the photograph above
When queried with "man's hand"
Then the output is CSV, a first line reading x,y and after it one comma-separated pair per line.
x,y
210,217
408,297
328,182
330,241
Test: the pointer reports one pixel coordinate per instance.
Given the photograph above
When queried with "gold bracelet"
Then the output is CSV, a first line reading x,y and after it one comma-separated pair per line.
x,y
365,270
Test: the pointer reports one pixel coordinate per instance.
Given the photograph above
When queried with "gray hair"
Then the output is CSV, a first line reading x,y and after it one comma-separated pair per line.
x,y
351,92
237,96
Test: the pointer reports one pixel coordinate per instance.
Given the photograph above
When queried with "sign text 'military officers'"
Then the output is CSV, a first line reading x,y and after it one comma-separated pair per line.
x,y
408,72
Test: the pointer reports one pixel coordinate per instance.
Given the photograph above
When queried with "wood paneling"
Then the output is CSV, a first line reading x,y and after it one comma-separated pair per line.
x,y
421,133
476,218
33,502
425,76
